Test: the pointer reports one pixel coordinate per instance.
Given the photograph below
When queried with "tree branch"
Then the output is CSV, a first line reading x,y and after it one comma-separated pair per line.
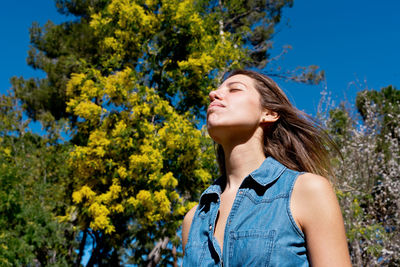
x,y
237,17
154,256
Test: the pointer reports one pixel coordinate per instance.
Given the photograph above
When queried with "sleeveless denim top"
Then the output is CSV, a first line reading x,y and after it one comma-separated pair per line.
x,y
260,229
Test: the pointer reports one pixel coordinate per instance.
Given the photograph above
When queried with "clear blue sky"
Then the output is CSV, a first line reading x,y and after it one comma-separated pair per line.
x,y
356,42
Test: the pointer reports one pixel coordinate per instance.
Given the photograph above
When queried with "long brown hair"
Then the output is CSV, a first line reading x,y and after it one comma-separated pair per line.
x,y
296,140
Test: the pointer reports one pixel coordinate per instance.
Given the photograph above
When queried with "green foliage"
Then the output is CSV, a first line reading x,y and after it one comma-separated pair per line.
x,y
33,193
339,124
387,102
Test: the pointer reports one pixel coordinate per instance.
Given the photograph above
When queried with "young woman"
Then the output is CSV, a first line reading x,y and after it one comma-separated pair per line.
x,y
270,207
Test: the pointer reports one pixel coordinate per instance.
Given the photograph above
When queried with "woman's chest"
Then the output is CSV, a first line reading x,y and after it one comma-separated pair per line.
x,y
256,230
225,206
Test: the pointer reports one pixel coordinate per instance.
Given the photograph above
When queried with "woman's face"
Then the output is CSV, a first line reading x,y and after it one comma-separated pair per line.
x,y
234,108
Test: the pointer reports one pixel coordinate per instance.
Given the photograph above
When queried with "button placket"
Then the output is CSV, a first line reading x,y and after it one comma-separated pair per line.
x,y
212,222
232,213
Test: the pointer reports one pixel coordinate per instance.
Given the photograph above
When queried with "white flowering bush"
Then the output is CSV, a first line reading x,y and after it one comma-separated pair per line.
x,y
368,176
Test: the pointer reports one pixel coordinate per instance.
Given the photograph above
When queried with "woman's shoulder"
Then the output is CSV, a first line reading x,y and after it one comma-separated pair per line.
x,y
316,209
312,190
187,222
312,183
313,196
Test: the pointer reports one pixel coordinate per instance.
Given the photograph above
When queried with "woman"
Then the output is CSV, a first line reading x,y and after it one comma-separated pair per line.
x,y
270,207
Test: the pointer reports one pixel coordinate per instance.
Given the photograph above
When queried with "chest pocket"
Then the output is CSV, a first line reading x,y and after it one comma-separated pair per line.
x,y
194,254
200,254
251,247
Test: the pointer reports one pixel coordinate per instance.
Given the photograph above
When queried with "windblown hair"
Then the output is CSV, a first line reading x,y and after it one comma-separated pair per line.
x,y
296,140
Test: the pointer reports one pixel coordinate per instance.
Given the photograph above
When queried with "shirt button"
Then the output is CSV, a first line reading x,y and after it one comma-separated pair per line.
x,y
210,226
240,192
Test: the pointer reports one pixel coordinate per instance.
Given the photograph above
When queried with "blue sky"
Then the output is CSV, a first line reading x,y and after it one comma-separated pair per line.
x,y
355,42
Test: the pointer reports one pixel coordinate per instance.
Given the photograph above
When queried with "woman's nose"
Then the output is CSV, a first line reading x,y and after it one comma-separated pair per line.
x,y
214,95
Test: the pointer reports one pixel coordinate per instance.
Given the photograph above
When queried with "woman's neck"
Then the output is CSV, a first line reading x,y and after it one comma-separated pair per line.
x,y
241,159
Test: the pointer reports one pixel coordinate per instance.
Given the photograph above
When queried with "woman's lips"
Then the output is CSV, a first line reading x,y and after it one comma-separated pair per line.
x,y
216,104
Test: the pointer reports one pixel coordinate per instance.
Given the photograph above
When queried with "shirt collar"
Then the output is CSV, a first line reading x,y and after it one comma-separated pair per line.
x,y
269,171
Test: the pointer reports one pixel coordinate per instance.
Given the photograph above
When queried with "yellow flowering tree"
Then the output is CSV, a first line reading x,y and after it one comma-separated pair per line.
x,y
141,167
141,162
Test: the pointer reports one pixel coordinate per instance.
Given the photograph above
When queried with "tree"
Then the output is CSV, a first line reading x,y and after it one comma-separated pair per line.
x,y
126,177
32,194
387,103
368,175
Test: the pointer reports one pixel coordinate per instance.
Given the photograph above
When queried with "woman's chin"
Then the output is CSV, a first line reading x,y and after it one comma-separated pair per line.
x,y
220,132
216,132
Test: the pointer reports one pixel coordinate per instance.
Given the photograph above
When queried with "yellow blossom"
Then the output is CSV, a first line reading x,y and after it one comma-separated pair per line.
x,y
118,208
164,205
7,151
75,81
203,175
87,110
149,158
168,180
122,172
181,210
111,42
99,213
84,192
144,199
119,128
89,89
98,138
132,201
174,196
115,189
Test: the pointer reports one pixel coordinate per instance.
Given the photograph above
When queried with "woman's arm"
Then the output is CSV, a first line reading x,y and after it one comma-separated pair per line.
x,y
316,211
187,222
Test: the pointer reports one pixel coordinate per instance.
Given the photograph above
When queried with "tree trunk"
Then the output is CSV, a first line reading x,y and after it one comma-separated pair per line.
x,y
81,249
94,258
357,253
175,257
154,256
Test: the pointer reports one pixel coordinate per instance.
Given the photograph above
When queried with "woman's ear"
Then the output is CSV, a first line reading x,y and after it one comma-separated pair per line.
x,y
269,116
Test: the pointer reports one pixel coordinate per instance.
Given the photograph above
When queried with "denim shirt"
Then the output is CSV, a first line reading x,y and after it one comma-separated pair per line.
x,y
260,229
